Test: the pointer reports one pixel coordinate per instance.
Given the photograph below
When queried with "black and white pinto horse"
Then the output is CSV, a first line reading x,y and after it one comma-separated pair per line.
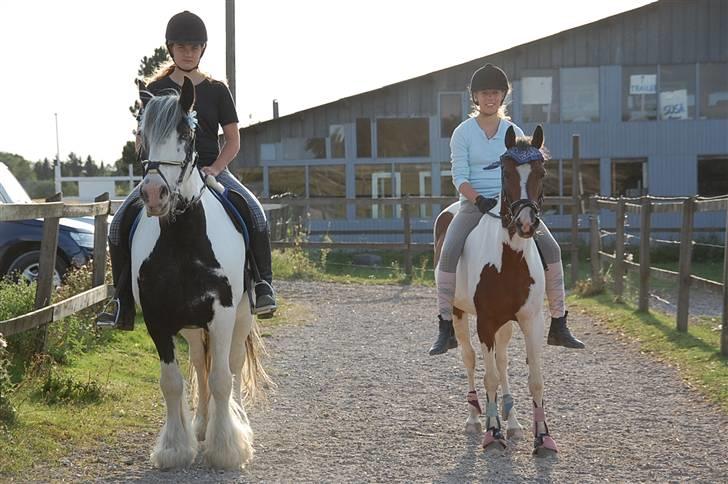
x,y
500,278
188,264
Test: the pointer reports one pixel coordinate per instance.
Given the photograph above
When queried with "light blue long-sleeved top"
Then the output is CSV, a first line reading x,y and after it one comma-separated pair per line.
x,y
471,151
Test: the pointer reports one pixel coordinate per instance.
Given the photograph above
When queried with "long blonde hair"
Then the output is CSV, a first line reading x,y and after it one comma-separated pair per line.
x,y
166,70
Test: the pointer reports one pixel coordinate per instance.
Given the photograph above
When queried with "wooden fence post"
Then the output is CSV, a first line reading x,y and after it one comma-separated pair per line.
x,y
595,245
724,330
686,254
46,270
644,296
407,236
575,209
100,234
619,250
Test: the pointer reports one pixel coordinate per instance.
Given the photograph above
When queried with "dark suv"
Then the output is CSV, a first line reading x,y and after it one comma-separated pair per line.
x,y
20,240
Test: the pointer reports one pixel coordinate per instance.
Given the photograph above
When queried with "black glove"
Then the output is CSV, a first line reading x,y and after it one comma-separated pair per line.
x,y
485,204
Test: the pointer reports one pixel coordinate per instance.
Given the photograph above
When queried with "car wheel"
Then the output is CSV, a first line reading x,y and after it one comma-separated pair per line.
x,y
27,266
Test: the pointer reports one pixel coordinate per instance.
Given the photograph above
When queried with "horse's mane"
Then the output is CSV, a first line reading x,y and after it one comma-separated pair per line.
x,y
162,115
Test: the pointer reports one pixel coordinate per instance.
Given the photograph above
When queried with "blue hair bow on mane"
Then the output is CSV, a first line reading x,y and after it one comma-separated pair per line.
x,y
519,155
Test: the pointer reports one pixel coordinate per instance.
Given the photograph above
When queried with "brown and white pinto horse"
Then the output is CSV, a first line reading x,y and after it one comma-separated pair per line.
x,y
500,278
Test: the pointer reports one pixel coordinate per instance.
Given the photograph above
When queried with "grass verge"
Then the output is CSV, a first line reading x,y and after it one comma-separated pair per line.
x,y
97,398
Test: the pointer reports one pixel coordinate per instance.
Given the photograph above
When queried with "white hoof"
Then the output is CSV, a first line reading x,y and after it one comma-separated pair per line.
x,y
473,426
514,434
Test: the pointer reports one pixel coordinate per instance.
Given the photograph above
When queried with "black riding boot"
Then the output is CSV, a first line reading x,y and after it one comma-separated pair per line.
x,y
265,301
559,334
120,311
260,258
445,339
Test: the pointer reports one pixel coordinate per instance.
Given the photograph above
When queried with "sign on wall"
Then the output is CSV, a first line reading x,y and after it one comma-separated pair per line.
x,y
536,90
643,84
674,104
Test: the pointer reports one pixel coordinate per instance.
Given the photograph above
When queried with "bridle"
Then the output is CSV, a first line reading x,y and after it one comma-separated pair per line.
x,y
511,210
189,161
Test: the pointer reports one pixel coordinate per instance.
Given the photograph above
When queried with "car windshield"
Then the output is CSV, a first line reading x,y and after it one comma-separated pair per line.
x,y
11,191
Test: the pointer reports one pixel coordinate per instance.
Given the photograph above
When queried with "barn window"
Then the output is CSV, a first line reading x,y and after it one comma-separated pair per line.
x,y
629,177
540,96
714,91
639,93
403,137
451,113
363,138
580,94
677,91
713,176
336,138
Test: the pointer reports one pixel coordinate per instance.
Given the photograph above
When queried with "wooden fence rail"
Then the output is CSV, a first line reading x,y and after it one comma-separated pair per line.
x,y
51,211
688,207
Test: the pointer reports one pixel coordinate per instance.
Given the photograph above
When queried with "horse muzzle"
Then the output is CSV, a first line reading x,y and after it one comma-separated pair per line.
x,y
156,198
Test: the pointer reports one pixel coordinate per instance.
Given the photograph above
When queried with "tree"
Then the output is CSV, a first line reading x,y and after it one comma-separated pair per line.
x,y
18,166
128,157
43,170
90,168
147,67
73,166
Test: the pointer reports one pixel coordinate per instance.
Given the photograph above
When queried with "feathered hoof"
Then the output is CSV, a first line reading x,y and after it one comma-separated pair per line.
x,y
493,441
473,426
172,458
230,450
545,446
200,426
514,434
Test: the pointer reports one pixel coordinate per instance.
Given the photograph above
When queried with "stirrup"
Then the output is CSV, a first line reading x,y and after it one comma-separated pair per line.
x,y
109,319
265,312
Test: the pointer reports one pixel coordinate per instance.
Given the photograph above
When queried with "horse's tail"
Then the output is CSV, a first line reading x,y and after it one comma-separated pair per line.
x,y
255,379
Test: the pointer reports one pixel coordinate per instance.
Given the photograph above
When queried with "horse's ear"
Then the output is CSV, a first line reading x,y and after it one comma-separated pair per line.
x,y
510,138
187,98
144,95
537,138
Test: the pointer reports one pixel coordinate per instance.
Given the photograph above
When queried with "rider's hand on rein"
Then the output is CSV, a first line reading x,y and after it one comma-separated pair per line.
x,y
485,204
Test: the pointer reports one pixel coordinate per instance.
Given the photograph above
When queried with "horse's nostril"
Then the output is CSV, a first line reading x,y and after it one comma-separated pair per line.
x,y
163,192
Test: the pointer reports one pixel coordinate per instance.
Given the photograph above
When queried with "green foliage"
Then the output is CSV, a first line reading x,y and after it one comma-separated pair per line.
x,y
7,410
18,166
128,157
147,67
59,388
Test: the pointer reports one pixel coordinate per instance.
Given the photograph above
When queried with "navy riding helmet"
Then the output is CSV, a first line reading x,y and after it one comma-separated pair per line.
x,y
186,28
488,77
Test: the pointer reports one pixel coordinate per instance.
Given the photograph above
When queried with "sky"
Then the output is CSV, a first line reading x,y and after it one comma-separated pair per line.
x,y
78,58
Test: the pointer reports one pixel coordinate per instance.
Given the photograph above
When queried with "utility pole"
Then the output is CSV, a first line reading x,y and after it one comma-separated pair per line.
x,y
57,164
230,44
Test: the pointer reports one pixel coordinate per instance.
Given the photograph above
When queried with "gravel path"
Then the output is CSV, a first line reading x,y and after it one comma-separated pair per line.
x,y
360,400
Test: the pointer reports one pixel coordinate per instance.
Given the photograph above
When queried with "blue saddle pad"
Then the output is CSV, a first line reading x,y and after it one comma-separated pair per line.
x,y
229,207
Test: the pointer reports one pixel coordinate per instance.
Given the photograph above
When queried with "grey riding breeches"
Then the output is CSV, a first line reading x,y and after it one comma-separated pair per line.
x,y
466,219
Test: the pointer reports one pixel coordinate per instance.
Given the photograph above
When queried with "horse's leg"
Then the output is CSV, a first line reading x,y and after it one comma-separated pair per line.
x,y
176,445
228,439
243,325
508,411
493,438
462,333
533,331
196,341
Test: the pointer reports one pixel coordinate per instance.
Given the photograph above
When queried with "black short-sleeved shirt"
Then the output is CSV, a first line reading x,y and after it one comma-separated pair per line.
x,y
215,107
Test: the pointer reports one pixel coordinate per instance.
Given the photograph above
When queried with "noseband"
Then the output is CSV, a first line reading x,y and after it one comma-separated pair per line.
x,y
190,160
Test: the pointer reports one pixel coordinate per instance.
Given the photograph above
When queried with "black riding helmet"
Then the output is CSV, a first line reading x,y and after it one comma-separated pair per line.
x,y
186,28
488,77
